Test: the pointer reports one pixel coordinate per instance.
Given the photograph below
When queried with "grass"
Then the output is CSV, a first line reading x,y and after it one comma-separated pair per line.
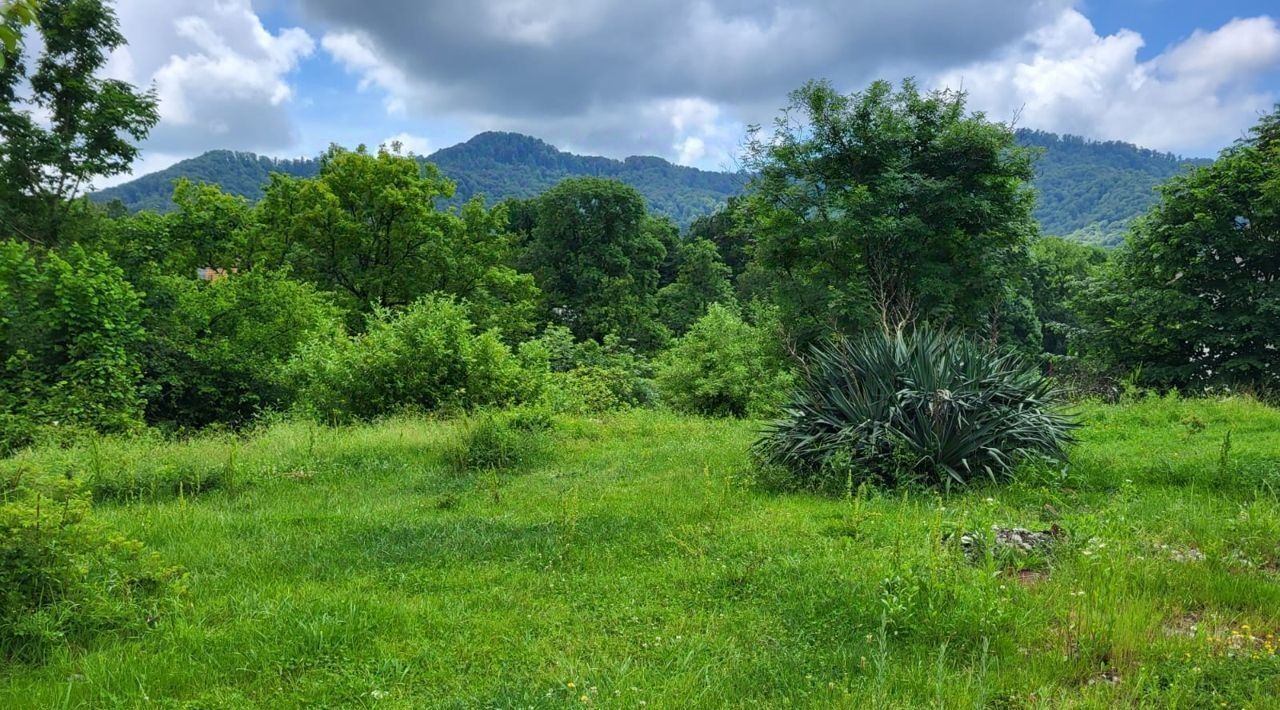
x,y
638,566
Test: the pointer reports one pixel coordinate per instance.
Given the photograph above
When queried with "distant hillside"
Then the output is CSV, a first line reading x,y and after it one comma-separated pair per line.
x,y
1089,190
238,173
497,165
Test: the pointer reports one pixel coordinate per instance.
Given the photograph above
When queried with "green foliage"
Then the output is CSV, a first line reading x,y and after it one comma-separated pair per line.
x,y
63,575
63,124
216,351
928,407
588,377
496,166
1089,190
884,206
722,367
14,16
1194,298
701,281
1061,270
425,358
502,440
367,228
69,328
596,261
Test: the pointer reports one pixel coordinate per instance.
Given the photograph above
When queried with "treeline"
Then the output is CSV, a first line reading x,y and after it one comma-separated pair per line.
x,y
493,165
362,290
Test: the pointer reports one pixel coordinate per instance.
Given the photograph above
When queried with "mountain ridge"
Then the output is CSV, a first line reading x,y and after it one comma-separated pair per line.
x,y
1088,190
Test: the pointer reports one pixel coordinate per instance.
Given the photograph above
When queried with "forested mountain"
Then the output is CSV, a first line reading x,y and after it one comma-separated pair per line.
x,y
236,172
496,165
1089,190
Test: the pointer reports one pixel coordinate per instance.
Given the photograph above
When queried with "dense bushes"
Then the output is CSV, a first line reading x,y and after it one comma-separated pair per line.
x,y
216,351
426,357
587,377
722,367
63,575
69,326
928,407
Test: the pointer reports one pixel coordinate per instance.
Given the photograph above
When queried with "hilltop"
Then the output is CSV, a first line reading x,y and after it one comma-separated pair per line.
x,y
1089,190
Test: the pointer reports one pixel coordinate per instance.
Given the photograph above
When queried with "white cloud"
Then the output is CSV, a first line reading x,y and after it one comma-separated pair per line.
x,y
221,77
358,56
1192,98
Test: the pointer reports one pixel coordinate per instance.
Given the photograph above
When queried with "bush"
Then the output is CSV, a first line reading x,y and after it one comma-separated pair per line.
x,y
426,358
588,377
928,407
63,575
722,367
69,327
216,350
502,440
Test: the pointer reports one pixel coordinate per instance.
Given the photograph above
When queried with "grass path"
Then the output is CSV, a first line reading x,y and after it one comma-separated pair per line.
x,y
636,568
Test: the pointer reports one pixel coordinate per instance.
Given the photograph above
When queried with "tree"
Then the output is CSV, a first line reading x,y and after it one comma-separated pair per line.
x,y
723,367
367,228
702,280
729,229
882,207
596,263
69,329
215,351
1061,269
90,127
14,15
1194,297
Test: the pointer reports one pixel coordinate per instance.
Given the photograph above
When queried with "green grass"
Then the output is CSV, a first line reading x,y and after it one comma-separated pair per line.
x,y
636,565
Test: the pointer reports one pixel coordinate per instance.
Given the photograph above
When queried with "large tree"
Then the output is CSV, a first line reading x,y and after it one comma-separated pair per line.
x,y
1194,297
368,228
886,206
90,124
597,261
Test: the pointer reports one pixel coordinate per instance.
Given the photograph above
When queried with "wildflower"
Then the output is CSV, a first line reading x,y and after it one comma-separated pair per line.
x,y
570,685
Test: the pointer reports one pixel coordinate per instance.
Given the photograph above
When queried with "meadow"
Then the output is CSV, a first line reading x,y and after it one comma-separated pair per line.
x,y
639,560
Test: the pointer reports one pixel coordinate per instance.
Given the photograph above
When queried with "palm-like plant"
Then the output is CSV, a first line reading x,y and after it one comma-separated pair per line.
x,y
928,405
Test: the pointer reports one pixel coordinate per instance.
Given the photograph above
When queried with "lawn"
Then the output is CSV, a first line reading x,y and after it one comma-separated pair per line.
x,y
637,565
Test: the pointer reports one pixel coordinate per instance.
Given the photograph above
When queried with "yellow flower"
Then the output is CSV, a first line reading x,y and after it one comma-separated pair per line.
x,y
570,684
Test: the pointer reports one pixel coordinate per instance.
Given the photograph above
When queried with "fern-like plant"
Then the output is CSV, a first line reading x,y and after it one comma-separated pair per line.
x,y
926,406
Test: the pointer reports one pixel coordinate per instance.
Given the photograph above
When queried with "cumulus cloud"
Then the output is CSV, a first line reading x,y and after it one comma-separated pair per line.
x,y
221,77
672,77
1194,97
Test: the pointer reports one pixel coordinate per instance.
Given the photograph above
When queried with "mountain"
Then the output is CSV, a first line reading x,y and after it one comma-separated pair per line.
x,y
497,165
239,173
1089,190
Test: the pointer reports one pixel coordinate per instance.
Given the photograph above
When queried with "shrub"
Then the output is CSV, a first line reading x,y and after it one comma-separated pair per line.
x,y
588,377
502,440
426,358
216,350
69,327
722,367
929,407
63,575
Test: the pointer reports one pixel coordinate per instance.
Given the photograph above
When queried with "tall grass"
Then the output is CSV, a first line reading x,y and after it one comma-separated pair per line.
x,y
638,563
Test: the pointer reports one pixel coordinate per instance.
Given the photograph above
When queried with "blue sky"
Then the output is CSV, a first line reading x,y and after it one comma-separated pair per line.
x,y
676,78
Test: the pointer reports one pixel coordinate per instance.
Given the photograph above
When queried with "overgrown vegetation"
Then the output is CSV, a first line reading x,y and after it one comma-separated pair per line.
x,y
458,452
637,561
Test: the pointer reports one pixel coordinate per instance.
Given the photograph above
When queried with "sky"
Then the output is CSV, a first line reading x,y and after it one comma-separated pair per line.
x,y
681,79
